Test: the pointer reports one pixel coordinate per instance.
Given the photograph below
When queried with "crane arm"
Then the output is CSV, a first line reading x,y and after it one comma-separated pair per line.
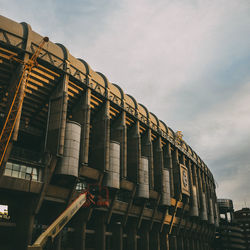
x,y
16,102
55,228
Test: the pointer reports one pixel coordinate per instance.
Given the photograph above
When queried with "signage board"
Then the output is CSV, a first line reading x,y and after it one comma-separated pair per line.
x,y
184,178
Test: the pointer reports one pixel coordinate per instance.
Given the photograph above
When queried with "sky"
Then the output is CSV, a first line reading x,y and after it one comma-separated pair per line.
x,y
188,62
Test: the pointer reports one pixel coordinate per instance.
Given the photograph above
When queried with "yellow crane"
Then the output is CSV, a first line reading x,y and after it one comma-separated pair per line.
x,y
85,200
55,228
16,103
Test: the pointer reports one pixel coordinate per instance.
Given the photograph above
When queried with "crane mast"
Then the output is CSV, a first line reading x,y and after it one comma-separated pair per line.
x,y
17,100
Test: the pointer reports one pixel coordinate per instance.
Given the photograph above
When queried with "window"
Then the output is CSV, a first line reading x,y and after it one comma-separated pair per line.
x,y
21,171
81,186
222,216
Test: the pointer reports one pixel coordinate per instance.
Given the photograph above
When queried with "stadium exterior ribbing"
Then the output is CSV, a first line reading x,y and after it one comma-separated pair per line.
x,y
76,128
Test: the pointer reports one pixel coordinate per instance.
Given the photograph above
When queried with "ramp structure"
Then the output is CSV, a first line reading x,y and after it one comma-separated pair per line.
x,y
230,233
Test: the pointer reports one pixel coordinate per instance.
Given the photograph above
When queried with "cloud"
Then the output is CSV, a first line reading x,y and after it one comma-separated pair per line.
x,y
221,137
187,62
236,187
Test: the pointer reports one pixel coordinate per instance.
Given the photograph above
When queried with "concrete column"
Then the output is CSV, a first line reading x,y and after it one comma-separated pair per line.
x,y
154,240
81,114
49,162
134,152
168,163
172,243
196,182
199,189
187,243
158,164
176,159
185,246
147,150
191,182
182,159
205,188
193,190
57,118
144,242
211,211
200,181
81,237
131,235
119,134
192,243
164,239
57,245
24,223
198,245
117,236
226,217
202,245
100,232
196,240
203,210
180,242
101,138
80,230
176,162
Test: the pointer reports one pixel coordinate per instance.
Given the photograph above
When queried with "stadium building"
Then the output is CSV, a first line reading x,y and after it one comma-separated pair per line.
x,y
68,135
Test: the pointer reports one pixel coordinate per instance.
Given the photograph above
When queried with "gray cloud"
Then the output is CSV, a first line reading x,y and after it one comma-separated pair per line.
x,y
188,62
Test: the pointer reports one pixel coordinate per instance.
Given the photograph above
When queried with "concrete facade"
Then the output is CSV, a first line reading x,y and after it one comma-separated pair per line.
x,y
178,209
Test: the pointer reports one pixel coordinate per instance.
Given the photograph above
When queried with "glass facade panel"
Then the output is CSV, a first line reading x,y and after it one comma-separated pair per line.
x,y
21,171
23,168
34,171
15,167
7,172
22,175
15,173
9,165
29,170
27,176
